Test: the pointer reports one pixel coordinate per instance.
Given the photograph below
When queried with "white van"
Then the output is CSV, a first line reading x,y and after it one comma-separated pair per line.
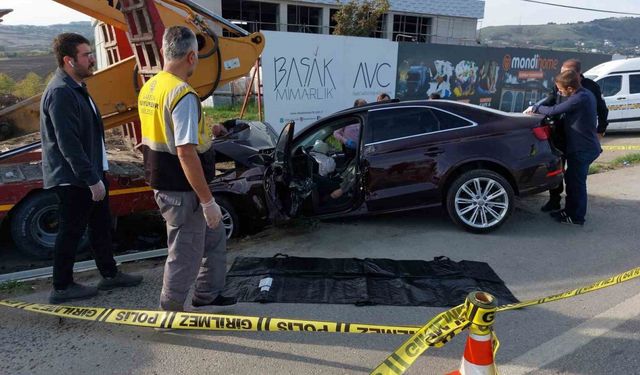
x,y
619,81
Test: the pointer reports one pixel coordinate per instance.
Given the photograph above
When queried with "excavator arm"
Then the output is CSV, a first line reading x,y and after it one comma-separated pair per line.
x,y
221,58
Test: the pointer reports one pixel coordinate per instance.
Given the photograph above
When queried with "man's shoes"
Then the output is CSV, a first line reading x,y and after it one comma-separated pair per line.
x,y
564,218
120,280
73,292
558,214
551,206
220,300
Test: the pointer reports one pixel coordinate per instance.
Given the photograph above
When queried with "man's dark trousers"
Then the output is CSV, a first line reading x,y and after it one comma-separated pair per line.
x,y
77,211
576,179
555,194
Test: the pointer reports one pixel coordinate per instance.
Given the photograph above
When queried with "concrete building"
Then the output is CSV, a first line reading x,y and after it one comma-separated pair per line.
x,y
423,21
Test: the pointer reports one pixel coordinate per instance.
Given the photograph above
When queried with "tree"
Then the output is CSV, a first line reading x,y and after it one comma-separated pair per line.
x,y
31,85
6,84
359,17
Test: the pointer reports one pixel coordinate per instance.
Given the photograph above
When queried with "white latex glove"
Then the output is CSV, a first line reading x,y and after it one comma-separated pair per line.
x,y
528,111
98,191
212,213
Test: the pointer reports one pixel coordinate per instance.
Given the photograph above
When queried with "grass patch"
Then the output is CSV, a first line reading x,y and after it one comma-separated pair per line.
x,y
222,113
617,163
626,160
596,168
13,287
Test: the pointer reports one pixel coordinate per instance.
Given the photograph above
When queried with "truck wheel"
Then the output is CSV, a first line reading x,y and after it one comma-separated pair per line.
x,y
34,225
229,217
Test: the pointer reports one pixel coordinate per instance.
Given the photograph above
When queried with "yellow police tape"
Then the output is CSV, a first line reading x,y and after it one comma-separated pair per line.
x,y
621,147
617,279
218,322
203,321
478,312
437,332
445,326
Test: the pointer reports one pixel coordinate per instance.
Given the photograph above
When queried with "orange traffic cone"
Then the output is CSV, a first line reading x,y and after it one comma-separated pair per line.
x,y
478,351
478,356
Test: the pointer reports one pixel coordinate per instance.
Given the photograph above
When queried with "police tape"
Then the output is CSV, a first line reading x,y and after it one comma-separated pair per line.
x,y
203,321
620,147
193,320
478,312
448,324
436,333
601,284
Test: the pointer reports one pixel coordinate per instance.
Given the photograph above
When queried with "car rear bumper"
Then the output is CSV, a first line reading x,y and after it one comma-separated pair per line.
x,y
542,177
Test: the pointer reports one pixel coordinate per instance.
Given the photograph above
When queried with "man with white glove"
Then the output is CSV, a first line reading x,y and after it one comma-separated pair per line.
x,y
179,162
74,162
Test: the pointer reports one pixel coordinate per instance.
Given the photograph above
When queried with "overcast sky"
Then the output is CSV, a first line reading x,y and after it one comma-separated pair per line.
x,y
518,12
497,12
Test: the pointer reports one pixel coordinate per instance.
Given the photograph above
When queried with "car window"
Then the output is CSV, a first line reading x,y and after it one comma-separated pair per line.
x,y
388,124
610,85
634,84
450,121
325,133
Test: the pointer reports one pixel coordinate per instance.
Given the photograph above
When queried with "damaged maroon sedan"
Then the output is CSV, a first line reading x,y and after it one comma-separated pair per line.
x,y
411,155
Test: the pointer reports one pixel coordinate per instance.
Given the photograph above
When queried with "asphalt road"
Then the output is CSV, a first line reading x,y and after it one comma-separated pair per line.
x,y
596,333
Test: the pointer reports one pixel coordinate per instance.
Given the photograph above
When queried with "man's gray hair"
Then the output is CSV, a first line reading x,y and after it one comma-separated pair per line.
x,y
177,42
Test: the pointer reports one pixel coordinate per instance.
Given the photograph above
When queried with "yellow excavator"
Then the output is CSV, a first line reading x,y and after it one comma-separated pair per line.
x,y
132,33
114,89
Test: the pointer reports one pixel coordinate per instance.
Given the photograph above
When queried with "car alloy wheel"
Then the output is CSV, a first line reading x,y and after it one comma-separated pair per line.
x,y
227,221
229,216
481,202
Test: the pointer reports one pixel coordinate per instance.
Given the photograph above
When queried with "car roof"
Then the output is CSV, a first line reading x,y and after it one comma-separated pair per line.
x,y
448,105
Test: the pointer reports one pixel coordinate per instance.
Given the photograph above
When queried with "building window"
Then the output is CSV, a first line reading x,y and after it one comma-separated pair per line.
x,y
304,19
252,16
380,28
412,28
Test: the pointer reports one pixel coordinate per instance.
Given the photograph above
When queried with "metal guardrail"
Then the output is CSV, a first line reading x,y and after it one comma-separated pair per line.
x,y
87,265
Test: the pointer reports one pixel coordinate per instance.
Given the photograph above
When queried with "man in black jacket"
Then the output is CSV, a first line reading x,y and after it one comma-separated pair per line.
x,y
73,164
557,135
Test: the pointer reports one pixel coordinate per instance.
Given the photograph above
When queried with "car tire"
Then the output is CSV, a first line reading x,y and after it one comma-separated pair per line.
x,y
229,217
467,202
34,226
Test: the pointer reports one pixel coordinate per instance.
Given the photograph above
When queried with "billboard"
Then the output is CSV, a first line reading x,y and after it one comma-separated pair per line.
x,y
309,76
502,78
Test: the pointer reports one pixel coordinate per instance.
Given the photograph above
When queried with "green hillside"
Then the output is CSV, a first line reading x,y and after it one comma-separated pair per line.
x,y
608,35
20,40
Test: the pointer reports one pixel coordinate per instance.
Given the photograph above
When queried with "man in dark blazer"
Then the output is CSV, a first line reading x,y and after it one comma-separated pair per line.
x,y
557,136
74,163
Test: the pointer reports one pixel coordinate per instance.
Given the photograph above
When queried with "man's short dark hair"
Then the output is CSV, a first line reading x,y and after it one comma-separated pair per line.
x,y
575,64
383,96
66,44
359,102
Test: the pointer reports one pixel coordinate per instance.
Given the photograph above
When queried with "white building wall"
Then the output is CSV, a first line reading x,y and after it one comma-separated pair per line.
x,y
454,21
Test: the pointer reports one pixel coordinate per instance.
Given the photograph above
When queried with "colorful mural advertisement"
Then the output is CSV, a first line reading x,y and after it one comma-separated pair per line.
x,y
508,79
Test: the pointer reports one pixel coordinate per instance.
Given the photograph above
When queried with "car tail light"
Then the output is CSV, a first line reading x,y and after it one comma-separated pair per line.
x,y
542,132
